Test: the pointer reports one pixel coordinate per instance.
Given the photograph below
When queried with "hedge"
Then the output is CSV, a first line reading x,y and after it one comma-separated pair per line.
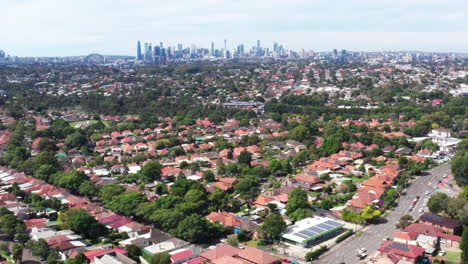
x,y
344,236
316,253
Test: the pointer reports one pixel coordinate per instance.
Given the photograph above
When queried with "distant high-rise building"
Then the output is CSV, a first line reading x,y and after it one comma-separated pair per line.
x,y
275,47
258,44
179,47
225,44
139,55
145,52
161,45
335,52
212,48
150,52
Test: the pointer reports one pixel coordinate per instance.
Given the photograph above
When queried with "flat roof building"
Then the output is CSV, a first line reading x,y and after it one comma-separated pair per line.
x,y
312,230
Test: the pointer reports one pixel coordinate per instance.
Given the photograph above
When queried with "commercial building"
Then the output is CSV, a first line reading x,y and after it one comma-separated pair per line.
x,y
312,230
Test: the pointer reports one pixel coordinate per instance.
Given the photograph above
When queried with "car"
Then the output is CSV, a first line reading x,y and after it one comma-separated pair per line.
x,y
386,238
417,197
441,253
421,210
286,261
361,256
294,262
363,249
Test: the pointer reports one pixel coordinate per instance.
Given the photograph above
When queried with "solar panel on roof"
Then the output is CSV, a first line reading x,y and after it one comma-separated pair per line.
x,y
332,223
315,229
398,246
329,226
324,226
301,236
308,233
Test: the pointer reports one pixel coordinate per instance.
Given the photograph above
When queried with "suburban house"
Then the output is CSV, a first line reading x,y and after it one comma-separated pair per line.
x,y
449,226
396,251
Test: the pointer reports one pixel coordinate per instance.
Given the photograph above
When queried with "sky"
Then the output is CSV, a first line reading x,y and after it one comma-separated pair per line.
x,y
80,27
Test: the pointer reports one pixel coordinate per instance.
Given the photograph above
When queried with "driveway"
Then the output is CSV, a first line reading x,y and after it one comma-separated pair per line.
x,y
373,237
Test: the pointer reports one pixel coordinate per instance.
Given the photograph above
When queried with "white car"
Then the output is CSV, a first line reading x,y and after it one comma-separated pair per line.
x,y
421,210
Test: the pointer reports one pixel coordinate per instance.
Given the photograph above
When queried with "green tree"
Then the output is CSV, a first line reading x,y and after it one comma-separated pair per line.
x,y
274,165
330,145
460,167
245,157
209,176
17,252
134,252
127,203
39,248
243,236
76,140
369,214
78,259
88,189
405,221
44,171
464,245
297,200
273,227
151,171
195,229
86,225
161,258
300,214
300,133
437,202
108,191
167,219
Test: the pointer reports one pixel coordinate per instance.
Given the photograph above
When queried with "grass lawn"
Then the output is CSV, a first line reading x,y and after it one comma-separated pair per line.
x,y
252,243
452,256
358,179
5,255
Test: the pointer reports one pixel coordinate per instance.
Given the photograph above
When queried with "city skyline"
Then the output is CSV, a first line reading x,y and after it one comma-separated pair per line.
x,y
69,28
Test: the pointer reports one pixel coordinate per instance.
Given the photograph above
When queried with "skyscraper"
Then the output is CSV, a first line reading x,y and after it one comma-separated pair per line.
x,y
258,44
146,52
212,48
225,44
139,55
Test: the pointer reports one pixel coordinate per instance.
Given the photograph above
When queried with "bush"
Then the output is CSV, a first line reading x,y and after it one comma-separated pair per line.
x,y
316,253
344,236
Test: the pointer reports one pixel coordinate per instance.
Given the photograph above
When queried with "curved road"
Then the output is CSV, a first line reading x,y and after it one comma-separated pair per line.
x,y
375,234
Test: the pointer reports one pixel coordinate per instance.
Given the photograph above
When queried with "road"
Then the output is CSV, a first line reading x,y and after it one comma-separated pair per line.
x,y
374,235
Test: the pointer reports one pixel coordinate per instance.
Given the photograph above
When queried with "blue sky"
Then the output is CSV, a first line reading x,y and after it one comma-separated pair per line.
x,y
77,27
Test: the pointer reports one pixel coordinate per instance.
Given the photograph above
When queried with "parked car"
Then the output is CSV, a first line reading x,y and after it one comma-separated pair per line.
x,y
286,261
361,256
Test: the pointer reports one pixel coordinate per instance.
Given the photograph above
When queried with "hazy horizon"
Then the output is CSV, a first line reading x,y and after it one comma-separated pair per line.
x,y
47,28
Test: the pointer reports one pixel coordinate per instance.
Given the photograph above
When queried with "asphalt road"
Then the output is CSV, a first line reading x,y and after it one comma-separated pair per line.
x,y
375,234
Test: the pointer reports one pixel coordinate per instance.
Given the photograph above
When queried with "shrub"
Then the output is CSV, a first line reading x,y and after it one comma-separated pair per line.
x,y
344,236
316,253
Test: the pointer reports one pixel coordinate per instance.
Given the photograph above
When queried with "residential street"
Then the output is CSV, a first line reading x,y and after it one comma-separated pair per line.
x,y
374,235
